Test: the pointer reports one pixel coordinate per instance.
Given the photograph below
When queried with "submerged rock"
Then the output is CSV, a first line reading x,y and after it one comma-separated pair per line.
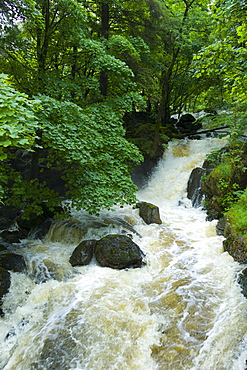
x,y
83,253
13,262
118,252
149,213
46,269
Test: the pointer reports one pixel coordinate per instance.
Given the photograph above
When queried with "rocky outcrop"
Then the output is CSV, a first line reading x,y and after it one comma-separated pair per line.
x,y
149,213
118,252
83,253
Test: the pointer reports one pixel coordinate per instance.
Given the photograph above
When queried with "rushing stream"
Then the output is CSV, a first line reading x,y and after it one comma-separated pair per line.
x,y
182,310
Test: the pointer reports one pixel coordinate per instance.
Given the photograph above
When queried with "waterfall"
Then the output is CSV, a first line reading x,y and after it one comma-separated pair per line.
x,y
183,310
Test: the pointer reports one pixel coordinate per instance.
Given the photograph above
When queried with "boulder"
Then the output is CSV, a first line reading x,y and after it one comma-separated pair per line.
x,y
149,213
40,230
14,236
242,280
5,223
220,227
118,252
188,124
12,261
3,248
234,244
9,212
5,281
83,253
194,186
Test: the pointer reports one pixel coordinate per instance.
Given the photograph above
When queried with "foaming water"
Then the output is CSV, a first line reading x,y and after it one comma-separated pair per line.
x,y
183,310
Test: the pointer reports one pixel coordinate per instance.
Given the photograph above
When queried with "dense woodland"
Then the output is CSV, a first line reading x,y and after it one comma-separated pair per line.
x,y
88,89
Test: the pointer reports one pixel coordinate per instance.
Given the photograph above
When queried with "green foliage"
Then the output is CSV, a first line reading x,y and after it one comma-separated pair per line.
x,y
54,52
237,215
223,60
89,147
18,123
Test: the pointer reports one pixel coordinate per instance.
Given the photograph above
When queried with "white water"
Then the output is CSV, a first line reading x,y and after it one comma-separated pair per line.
x,y
183,310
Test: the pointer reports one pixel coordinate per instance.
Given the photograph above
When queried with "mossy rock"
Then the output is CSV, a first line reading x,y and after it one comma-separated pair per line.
x,y
12,261
235,244
118,252
83,253
149,213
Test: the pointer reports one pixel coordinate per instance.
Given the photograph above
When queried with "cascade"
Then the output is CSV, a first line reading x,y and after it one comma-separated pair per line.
x,y
183,310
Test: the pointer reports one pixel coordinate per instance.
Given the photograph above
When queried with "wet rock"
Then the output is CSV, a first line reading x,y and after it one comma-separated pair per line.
x,y
5,223
5,281
194,187
235,245
142,172
3,248
41,229
14,236
220,227
188,124
9,212
242,280
83,253
149,213
12,261
118,252
46,270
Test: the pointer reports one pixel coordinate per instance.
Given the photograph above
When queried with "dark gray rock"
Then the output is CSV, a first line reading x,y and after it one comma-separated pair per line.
x,y
188,124
41,229
5,223
149,213
14,236
5,281
83,253
12,261
118,252
194,187
242,280
3,248
235,244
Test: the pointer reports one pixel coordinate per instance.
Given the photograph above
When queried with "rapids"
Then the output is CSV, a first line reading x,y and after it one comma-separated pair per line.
x,y
183,310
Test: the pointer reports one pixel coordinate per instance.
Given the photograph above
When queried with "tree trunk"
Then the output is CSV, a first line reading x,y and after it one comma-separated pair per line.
x,y
105,33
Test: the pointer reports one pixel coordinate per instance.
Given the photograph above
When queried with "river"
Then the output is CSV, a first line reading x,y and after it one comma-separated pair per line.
x,y
183,310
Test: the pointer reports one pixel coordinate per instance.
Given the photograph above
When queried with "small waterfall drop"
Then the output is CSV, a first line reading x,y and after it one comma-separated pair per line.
x,y
182,311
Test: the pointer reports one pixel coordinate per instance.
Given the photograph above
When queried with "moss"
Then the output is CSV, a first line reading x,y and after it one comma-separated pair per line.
x,y
237,216
223,170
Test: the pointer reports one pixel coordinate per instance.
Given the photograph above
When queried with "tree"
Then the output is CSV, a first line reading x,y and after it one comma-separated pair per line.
x,y
224,59
53,53
186,34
